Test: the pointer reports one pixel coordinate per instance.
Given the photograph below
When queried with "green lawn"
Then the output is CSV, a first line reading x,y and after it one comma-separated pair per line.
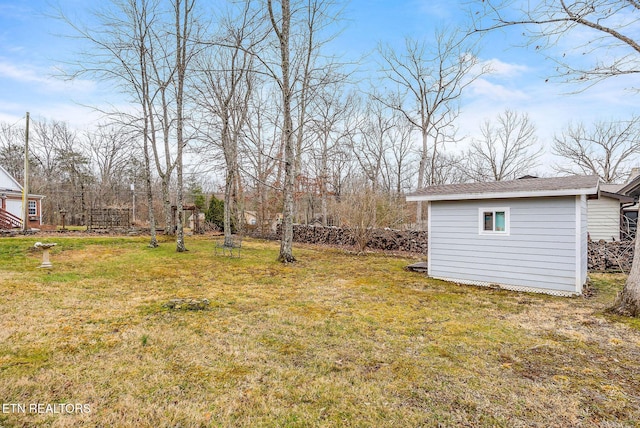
x,y
333,340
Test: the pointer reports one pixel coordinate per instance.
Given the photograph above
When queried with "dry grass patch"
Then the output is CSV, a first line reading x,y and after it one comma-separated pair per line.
x,y
333,340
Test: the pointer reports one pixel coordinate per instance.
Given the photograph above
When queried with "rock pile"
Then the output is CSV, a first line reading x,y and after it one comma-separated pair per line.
x,y
187,304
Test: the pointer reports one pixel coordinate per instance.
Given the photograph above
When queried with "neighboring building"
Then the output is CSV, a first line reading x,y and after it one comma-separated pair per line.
x,y
605,213
251,219
526,235
613,216
11,212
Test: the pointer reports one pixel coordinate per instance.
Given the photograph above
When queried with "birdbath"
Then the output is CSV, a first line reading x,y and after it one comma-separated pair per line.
x,y
45,253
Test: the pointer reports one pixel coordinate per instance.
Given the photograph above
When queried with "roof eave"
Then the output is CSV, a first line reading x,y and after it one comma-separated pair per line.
x,y
631,186
14,192
621,198
503,195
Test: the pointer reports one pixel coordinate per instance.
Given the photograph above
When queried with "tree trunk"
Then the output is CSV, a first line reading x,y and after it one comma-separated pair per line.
x,y
422,170
181,41
153,242
166,205
228,200
628,301
286,241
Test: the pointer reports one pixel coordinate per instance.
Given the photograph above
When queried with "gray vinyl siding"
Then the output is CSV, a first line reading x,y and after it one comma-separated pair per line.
x,y
540,250
604,218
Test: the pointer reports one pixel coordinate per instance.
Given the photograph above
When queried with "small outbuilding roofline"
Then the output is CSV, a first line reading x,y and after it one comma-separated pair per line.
x,y
618,196
529,188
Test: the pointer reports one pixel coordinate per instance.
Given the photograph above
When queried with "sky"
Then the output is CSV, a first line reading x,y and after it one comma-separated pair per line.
x,y
32,53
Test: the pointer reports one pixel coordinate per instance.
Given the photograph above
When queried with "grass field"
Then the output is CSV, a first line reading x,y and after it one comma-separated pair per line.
x,y
333,340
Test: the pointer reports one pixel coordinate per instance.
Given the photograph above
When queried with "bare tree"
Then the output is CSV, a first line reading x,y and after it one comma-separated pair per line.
x,y
507,149
372,141
399,161
363,210
12,149
430,81
296,70
449,168
611,26
123,46
227,82
281,26
185,51
609,40
261,158
110,150
329,127
607,149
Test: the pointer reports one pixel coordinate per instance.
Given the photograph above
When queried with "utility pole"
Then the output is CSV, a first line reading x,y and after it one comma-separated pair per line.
x,y
25,187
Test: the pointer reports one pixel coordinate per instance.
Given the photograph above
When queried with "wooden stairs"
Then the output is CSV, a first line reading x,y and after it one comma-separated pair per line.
x,y
9,221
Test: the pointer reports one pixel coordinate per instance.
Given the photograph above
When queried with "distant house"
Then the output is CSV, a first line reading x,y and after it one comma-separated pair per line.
x,y
251,218
526,235
11,211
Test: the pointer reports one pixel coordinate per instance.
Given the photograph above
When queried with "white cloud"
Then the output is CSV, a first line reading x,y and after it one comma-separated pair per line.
x,y
44,79
495,92
504,69
77,116
8,118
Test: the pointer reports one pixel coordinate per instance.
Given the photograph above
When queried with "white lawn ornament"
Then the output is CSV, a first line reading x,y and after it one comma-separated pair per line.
x,y
46,264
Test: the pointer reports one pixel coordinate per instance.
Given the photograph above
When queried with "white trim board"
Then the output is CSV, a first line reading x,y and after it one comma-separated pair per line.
x,y
503,195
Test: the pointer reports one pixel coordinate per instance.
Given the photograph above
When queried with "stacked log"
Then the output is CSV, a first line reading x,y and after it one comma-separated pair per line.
x,y
391,240
322,235
615,256
413,241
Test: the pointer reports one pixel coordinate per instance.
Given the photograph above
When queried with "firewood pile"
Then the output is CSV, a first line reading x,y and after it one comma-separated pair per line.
x,y
381,239
613,256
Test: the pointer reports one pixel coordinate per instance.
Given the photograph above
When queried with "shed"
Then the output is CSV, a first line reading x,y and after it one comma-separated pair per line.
x,y
524,235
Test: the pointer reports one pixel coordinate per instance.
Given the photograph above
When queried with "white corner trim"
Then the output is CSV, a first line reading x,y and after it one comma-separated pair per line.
x,y
579,200
428,237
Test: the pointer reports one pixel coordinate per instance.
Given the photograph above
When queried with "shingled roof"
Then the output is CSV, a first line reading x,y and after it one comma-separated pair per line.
x,y
522,188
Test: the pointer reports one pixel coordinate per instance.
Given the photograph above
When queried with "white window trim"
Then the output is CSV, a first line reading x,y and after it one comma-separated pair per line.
x,y
507,221
33,204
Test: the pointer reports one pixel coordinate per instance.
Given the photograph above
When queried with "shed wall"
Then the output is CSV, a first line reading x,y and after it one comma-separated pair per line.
x,y
604,218
540,251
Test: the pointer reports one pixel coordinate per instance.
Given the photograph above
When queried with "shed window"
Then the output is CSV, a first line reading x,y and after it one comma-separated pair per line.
x,y
494,221
32,208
